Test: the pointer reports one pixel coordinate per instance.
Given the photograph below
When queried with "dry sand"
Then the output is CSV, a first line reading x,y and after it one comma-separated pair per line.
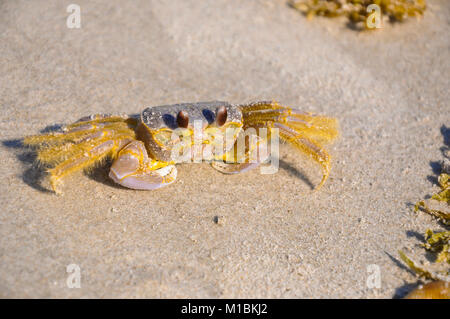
x,y
275,236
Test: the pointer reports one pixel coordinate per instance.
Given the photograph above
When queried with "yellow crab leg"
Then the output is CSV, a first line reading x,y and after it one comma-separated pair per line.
x,y
304,131
307,146
88,159
101,118
59,153
75,134
319,128
82,145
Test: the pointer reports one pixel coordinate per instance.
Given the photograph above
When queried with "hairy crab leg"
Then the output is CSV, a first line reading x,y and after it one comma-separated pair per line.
x,y
88,159
304,131
100,118
74,133
60,153
307,146
82,145
321,129
56,153
75,143
134,169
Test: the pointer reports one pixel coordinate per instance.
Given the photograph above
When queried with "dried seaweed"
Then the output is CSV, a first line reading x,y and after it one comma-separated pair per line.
x,y
357,10
417,269
439,242
444,183
442,196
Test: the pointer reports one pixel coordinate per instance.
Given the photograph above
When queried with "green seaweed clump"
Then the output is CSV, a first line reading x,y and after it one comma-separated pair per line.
x,y
356,10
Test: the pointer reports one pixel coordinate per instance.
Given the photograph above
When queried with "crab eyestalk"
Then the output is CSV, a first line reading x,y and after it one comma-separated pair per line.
x,y
221,115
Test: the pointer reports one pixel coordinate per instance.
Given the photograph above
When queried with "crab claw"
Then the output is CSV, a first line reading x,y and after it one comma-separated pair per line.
x,y
133,169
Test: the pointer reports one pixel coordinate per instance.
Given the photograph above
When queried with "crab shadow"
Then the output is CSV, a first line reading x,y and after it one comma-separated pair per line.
x,y
293,171
100,175
33,173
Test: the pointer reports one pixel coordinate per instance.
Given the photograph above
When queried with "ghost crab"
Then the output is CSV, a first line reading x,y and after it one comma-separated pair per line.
x,y
142,146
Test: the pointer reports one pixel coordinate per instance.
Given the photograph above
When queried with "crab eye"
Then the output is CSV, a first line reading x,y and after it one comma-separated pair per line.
x,y
209,116
222,115
170,121
183,119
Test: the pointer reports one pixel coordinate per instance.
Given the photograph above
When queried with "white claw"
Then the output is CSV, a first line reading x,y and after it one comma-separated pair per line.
x,y
131,169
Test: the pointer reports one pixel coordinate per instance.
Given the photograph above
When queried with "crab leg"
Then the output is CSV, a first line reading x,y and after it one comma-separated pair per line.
x,y
78,147
307,146
82,145
134,169
255,154
304,131
321,129
89,158
79,130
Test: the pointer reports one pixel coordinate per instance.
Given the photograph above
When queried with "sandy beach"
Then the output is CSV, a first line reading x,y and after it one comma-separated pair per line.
x,y
211,235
